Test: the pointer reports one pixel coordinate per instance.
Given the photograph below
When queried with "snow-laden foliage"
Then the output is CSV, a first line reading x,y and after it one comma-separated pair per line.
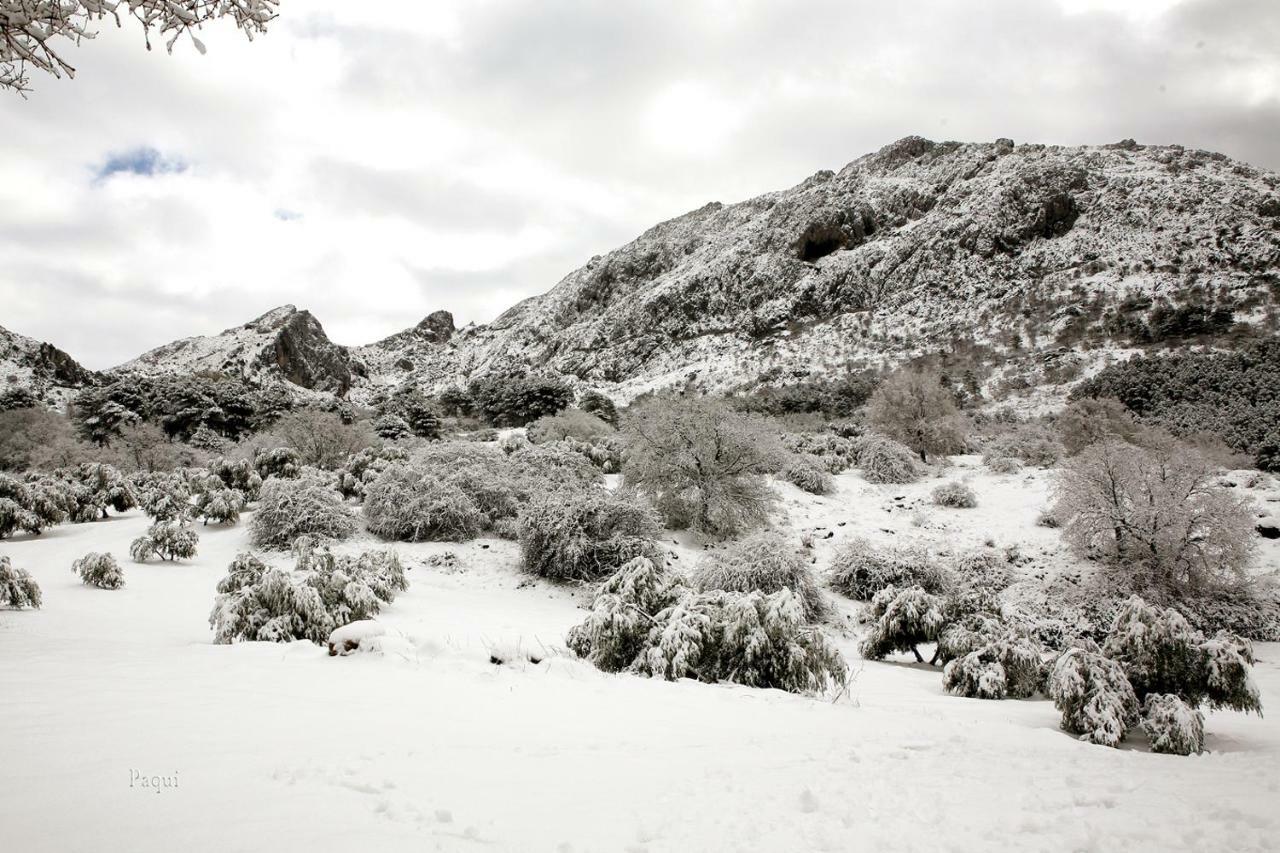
x,y
1162,653
100,570
163,496
1096,700
273,607
35,33
980,569
1011,666
288,509
238,474
281,462
571,423
605,453
766,562
96,486
968,632
28,506
834,452
17,588
701,463
1156,516
392,427
363,468
809,474
912,406
623,612
1029,444
217,503
168,540
1002,464
585,535
756,639
860,569
954,494
643,619
245,570
903,619
412,505
352,588
1172,725
883,460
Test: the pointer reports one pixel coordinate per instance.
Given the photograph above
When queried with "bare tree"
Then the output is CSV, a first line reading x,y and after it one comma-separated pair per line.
x,y
701,463
33,32
321,438
913,407
1155,515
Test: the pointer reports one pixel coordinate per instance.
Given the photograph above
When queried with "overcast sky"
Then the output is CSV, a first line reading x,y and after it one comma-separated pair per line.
x,y
374,167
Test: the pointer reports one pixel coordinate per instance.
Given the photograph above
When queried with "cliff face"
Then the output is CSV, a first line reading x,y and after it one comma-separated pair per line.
x,y
41,369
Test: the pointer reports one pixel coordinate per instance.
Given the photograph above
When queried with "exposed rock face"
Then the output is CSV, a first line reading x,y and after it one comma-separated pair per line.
x,y
437,327
40,368
283,343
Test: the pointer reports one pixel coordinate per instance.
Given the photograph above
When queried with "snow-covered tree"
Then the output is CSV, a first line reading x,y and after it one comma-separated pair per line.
x,y
17,588
903,620
163,496
102,487
100,570
1094,695
1011,666
238,474
1172,725
273,607
883,460
25,506
392,427
288,509
168,540
585,535
281,462
623,612
766,562
701,463
352,588
245,570
34,34
1156,516
912,406
415,505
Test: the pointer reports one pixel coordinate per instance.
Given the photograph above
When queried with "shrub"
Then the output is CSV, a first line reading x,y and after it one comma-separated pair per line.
x,y
903,620
595,403
363,468
701,463
766,563
411,505
981,569
808,474
954,494
884,460
28,506
1087,421
321,439
100,570
168,540
585,536
834,452
622,613
1172,725
17,588
269,607
968,632
245,570
1046,518
288,509
912,406
1029,444
1011,666
282,462
571,423
352,588
392,427
216,503
101,486
512,400
860,570
1002,464
242,475
1161,653
1094,696
747,638
164,497
1155,516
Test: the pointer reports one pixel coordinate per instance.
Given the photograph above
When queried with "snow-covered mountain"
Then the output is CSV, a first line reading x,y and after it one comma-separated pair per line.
x,y
918,246
43,370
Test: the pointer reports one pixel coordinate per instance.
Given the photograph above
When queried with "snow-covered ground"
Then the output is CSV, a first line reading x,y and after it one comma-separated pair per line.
x,y
430,746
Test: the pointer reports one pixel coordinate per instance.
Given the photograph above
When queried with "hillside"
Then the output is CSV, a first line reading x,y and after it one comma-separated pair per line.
x,y
47,373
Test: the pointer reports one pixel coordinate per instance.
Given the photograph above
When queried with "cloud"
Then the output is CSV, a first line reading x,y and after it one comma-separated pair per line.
x,y
467,155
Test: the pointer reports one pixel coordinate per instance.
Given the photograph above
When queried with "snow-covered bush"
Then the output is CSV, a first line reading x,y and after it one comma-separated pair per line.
x,y
570,423
585,535
281,462
1002,464
163,496
271,607
363,468
967,630
238,474
808,473
245,570
764,562
412,505
392,427
1172,725
1029,444
1095,698
604,453
17,588
1156,517
1161,653
883,460
860,570
168,540
102,486
100,570
954,494
980,568
747,638
623,612
288,509
352,588
216,503
1011,666
903,620
28,506
834,452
